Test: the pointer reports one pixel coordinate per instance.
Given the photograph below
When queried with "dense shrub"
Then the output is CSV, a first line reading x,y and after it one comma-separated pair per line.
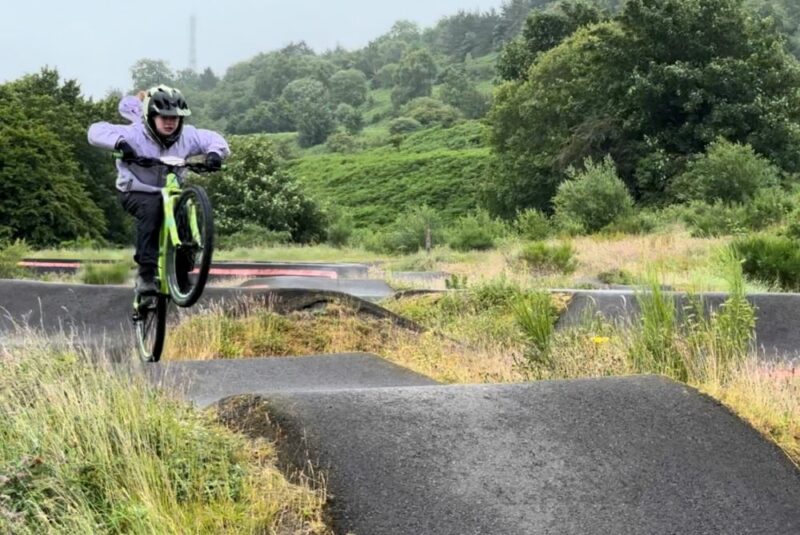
x,y
84,243
616,276
727,172
340,228
497,292
544,258
770,259
341,142
429,112
640,222
404,125
350,118
408,232
769,207
476,231
106,273
709,220
593,198
256,188
10,256
533,225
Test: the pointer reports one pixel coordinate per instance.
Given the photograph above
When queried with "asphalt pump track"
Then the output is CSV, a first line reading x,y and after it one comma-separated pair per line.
x,y
404,455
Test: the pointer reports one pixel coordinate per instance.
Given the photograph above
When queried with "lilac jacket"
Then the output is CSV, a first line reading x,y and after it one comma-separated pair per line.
x,y
131,177
130,108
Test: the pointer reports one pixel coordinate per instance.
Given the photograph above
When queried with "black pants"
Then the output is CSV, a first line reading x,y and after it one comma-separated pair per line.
x,y
149,213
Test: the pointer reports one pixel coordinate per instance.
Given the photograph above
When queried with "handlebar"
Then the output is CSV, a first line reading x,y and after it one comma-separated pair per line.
x,y
196,164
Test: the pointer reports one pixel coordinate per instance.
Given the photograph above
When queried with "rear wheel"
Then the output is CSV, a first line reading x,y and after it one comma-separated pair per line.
x,y
150,323
188,263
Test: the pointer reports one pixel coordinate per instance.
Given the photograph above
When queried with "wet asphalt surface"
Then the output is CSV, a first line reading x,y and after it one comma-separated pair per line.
x,y
403,455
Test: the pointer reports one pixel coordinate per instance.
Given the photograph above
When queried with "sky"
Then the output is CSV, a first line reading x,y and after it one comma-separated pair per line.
x,y
96,41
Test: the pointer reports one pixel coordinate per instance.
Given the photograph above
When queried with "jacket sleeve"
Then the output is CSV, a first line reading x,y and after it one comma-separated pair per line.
x,y
205,141
130,108
106,135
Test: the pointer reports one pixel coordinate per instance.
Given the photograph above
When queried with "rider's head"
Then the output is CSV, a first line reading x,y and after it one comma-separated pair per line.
x,y
164,109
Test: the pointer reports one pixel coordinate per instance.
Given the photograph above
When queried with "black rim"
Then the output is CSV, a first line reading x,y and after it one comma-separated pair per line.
x,y
190,261
149,329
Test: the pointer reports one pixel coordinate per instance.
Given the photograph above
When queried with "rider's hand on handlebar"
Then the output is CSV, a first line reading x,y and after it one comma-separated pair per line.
x,y
213,161
128,154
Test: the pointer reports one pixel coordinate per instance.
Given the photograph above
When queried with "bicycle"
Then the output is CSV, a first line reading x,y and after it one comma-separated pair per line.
x,y
186,245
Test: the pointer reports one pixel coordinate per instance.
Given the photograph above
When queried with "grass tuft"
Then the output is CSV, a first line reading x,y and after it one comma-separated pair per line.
x,y
105,273
85,450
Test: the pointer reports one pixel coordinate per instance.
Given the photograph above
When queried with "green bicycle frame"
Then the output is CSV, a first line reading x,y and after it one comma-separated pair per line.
x,y
169,229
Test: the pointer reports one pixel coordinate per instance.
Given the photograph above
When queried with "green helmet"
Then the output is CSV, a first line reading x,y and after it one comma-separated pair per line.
x,y
166,102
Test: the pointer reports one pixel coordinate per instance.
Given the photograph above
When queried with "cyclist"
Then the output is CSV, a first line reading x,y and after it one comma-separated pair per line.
x,y
161,132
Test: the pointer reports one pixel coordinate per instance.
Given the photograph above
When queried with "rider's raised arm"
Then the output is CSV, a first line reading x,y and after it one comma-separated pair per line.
x,y
205,141
130,108
107,135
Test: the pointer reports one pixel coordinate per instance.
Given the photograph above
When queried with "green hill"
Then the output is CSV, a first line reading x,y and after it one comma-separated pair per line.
x,y
441,167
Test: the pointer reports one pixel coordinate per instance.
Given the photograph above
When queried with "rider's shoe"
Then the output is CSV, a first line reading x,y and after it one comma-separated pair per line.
x,y
145,287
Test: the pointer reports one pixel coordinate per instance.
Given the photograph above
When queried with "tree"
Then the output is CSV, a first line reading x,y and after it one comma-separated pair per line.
x,y
458,91
785,14
311,111
465,33
349,87
147,73
385,77
512,19
274,71
415,76
651,88
265,117
350,118
42,199
58,107
207,80
405,30
543,31
254,189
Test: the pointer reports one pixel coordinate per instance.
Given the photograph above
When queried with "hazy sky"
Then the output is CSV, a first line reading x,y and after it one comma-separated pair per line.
x,y
96,41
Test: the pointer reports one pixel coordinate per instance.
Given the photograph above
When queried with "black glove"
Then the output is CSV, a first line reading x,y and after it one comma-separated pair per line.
x,y
213,161
128,154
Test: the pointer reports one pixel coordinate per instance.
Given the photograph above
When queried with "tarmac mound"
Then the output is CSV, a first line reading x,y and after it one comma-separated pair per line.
x,y
625,456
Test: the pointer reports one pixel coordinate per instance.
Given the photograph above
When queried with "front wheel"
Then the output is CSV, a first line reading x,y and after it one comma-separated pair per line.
x,y
150,323
189,262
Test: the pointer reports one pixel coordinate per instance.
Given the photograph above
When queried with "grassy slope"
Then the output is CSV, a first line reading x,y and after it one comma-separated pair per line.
x,y
443,168
87,450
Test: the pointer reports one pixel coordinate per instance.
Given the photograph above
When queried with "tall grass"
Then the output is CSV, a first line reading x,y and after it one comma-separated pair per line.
x,y
105,273
653,349
536,316
83,450
257,331
10,256
706,345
